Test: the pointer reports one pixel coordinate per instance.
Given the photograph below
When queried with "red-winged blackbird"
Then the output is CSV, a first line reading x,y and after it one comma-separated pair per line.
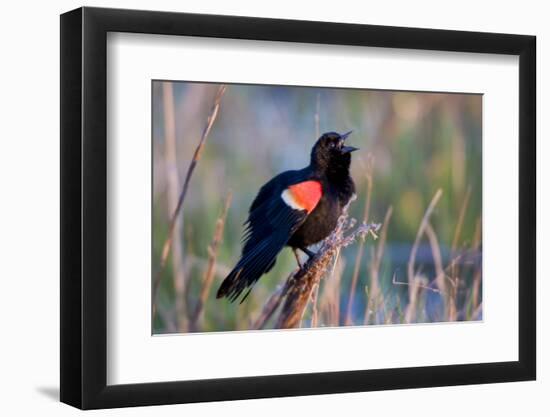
x,y
296,209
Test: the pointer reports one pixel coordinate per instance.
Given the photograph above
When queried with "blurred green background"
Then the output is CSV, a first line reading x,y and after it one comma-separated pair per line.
x,y
411,143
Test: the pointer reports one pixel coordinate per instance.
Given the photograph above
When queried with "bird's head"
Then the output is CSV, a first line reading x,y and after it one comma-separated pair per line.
x,y
330,153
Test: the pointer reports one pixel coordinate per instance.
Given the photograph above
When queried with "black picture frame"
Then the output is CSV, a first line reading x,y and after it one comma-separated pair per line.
x,y
84,207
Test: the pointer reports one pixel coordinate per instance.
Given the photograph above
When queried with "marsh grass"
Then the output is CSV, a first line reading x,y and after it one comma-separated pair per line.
x,y
360,275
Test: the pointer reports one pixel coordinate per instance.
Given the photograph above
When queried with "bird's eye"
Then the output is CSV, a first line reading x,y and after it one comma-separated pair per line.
x,y
331,145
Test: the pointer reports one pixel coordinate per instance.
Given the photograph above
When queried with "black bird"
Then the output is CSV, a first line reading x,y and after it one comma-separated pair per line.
x,y
296,209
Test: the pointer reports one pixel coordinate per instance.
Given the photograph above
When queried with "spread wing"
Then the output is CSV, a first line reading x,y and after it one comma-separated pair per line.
x,y
281,206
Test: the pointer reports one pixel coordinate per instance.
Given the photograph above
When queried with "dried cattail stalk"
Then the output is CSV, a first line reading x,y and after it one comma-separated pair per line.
x,y
299,287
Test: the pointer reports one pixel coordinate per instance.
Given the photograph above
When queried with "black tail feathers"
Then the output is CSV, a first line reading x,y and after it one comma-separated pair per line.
x,y
247,272
230,287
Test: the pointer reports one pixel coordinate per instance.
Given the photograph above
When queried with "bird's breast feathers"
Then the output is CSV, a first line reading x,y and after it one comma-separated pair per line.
x,y
303,196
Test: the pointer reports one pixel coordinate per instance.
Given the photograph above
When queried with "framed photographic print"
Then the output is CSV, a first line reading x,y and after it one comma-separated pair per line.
x,y
257,208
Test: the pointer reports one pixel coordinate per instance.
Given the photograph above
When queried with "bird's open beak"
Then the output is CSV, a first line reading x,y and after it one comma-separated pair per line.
x,y
347,149
345,135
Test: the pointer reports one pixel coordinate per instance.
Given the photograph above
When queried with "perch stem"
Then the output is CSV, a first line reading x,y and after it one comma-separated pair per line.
x,y
299,287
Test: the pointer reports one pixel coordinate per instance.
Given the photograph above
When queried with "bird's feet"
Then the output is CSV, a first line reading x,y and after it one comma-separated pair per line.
x,y
297,258
309,253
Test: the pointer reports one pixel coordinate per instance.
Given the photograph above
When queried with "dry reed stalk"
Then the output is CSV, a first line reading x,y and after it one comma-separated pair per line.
x,y
314,308
358,258
413,287
335,279
476,287
299,286
438,262
270,306
460,223
452,293
399,310
478,312
454,267
375,297
450,297
452,311
329,303
196,157
368,306
167,317
476,241
208,276
173,188
419,282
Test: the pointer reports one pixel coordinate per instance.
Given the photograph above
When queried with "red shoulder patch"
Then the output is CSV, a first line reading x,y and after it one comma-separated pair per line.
x,y
303,196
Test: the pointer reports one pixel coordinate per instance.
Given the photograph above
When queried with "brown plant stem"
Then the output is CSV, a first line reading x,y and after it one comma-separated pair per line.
x,y
413,288
476,290
358,258
208,276
438,262
196,157
172,193
269,308
299,286
374,297
460,221
314,307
